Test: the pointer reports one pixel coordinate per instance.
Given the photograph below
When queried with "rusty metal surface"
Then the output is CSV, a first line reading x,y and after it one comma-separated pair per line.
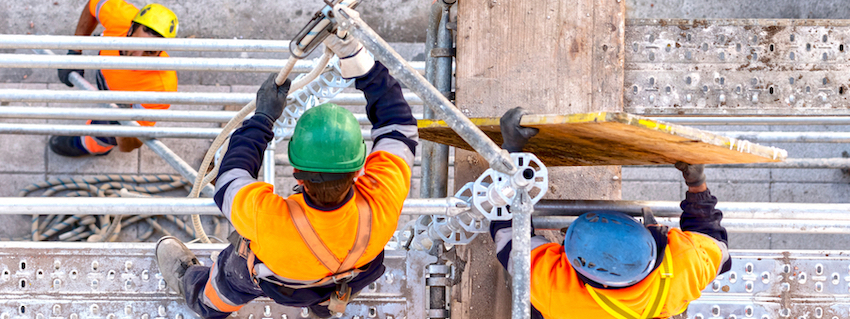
x,y
737,66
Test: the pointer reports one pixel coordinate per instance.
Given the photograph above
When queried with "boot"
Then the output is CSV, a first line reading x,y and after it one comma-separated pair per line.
x,y
69,146
173,258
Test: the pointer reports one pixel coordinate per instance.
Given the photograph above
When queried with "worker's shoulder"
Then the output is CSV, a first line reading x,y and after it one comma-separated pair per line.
x,y
682,243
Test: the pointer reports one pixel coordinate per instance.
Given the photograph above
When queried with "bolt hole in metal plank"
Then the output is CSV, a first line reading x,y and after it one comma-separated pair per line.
x,y
696,51
121,280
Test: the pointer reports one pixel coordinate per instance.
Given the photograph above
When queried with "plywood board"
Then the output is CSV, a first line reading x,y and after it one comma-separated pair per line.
x,y
614,138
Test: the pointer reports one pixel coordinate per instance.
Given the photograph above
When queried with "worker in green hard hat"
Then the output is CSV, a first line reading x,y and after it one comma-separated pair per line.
x,y
316,248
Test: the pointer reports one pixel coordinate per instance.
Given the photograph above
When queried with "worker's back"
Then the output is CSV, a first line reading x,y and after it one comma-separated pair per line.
x,y
558,292
262,217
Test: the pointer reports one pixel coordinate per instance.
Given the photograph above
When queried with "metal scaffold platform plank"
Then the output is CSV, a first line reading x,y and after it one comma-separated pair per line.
x,y
121,280
734,67
614,138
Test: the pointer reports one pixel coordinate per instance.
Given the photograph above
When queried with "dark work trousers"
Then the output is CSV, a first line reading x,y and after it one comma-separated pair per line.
x,y
215,292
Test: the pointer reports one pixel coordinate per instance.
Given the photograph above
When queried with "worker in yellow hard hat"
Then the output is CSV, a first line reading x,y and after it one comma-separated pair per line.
x,y
120,19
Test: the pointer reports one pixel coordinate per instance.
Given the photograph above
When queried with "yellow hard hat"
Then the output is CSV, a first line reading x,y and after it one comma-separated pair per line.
x,y
158,18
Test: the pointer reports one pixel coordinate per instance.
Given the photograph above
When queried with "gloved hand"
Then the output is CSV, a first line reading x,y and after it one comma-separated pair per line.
x,y
64,74
354,60
271,98
514,136
693,173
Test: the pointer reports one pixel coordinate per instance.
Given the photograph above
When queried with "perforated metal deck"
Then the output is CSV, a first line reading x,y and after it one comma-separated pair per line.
x,y
737,66
83,280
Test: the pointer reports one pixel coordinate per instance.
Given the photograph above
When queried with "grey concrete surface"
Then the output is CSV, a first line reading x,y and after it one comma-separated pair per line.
x,y
398,20
737,9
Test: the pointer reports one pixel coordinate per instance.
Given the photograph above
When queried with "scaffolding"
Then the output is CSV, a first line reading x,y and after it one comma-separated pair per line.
x,y
451,220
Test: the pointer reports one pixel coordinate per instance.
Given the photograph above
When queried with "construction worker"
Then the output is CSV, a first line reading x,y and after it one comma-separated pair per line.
x,y
319,247
612,266
120,19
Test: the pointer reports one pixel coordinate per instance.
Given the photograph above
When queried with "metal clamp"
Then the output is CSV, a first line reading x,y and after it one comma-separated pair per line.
x,y
493,191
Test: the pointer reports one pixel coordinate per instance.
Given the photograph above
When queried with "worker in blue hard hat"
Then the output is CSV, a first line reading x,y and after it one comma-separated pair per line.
x,y
612,266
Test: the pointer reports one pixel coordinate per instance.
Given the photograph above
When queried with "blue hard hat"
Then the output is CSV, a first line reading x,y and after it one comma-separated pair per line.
x,y
610,248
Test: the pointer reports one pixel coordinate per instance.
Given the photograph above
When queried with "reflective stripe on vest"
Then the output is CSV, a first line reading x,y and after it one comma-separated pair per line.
x,y
318,247
656,301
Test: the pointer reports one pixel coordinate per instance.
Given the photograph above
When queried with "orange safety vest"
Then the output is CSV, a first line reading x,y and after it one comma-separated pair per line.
x,y
264,218
343,272
558,292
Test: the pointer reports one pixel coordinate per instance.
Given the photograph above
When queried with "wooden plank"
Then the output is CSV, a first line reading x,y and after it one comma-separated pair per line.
x,y
615,138
551,57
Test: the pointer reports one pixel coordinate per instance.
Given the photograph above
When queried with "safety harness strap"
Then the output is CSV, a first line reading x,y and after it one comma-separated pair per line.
x,y
318,247
309,236
620,311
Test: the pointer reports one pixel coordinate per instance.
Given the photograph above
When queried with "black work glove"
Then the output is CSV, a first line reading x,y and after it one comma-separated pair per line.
x,y
693,173
65,73
514,136
271,98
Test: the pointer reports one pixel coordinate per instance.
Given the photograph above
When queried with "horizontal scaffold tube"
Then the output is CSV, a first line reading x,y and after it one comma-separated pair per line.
x,y
21,112
790,137
773,226
188,98
12,41
830,163
283,159
188,132
670,209
117,130
756,217
756,120
794,163
155,63
176,206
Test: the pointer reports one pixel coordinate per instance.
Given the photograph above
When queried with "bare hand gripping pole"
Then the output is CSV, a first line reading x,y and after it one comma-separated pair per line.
x,y
349,20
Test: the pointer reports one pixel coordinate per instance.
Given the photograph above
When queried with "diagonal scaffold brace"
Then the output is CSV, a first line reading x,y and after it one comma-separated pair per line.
x,y
349,20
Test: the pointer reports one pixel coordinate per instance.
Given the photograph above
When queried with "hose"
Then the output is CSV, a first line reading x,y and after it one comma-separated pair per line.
x,y
203,178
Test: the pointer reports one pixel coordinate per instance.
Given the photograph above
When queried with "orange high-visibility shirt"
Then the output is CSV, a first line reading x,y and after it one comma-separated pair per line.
x,y
260,215
557,291
116,16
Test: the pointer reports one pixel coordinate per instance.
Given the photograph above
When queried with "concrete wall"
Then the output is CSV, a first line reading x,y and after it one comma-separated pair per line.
x,y
738,9
397,20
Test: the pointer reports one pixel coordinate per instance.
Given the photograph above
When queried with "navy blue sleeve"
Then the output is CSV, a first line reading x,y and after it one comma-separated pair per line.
x,y
386,108
699,215
247,145
244,157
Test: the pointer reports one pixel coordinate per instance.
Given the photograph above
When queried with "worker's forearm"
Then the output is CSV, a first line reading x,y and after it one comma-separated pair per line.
x,y
87,22
697,189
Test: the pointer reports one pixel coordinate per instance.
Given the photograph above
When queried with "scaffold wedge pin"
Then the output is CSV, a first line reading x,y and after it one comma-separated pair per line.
x,y
493,190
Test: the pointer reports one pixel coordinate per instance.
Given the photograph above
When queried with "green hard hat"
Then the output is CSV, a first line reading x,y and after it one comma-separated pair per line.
x,y
327,139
